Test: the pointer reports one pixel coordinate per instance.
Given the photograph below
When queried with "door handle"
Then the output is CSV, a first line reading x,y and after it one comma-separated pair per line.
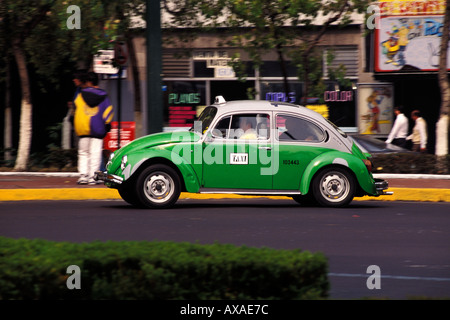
x,y
265,148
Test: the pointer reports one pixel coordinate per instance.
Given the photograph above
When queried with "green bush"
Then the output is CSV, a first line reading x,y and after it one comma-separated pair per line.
x,y
37,269
54,158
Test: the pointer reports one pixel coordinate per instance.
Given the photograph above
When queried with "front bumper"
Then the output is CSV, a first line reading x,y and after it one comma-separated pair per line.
x,y
110,180
381,186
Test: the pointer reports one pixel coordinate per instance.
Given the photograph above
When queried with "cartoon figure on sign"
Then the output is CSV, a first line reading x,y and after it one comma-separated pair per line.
x,y
391,46
373,102
402,42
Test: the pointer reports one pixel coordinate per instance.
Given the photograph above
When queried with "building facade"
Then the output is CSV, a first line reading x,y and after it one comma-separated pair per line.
x,y
380,74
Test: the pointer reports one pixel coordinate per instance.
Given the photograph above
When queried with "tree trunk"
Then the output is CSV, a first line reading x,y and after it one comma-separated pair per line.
x,y
306,82
442,124
23,151
7,140
283,70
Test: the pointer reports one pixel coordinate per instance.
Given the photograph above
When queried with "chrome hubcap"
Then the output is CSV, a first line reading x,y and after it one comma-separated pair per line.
x,y
159,187
335,187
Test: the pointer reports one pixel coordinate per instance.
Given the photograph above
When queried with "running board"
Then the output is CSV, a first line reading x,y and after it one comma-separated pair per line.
x,y
250,191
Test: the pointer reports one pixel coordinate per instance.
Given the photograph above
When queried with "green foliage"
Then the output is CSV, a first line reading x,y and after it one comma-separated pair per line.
x,y
52,48
290,27
36,269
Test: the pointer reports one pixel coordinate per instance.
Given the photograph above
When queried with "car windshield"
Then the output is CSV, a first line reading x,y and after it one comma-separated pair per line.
x,y
205,119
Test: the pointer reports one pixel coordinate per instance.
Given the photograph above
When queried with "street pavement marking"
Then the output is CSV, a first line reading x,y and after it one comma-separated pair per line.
x,y
355,275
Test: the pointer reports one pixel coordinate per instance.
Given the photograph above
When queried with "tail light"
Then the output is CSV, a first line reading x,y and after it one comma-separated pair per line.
x,y
368,164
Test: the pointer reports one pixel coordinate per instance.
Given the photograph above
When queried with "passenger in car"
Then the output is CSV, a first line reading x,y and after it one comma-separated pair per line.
x,y
247,125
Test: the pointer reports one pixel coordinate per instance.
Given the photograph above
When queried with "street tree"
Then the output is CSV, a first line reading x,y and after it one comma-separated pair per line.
x,y
292,28
20,20
442,125
39,37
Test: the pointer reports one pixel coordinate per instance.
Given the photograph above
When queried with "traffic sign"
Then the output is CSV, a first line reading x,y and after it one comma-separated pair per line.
x,y
103,62
121,53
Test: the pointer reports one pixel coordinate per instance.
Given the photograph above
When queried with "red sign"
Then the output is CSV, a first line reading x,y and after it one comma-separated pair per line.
x,y
120,53
127,134
181,116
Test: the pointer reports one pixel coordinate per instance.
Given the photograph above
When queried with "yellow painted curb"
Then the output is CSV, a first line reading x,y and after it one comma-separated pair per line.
x,y
400,194
414,194
58,194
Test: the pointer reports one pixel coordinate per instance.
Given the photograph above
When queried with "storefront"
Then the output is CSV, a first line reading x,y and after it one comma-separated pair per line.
x,y
406,56
207,74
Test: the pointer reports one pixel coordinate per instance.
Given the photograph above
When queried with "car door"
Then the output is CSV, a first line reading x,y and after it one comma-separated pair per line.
x,y
298,140
237,153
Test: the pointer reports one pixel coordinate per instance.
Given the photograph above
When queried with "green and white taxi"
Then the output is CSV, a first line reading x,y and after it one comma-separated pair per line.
x,y
247,148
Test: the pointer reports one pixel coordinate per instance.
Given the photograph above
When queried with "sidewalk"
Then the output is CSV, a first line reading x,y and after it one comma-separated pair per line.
x,y
18,186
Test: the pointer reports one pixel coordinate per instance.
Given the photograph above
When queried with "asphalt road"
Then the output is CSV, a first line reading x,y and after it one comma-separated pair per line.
x,y
408,241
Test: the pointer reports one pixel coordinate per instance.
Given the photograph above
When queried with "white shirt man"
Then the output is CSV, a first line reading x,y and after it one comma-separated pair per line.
x,y
399,130
419,134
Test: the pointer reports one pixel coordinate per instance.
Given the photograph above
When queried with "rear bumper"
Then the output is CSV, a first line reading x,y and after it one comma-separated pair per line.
x,y
381,186
110,180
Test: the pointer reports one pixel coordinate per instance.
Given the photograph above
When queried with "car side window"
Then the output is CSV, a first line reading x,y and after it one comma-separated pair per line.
x,y
243,126
222,127
298,129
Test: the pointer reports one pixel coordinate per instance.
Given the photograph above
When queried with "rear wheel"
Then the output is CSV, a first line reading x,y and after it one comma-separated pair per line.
x,y
158,186
305,200
333,187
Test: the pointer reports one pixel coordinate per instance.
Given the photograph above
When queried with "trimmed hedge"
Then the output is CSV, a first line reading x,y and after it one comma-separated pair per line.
x,y
37,269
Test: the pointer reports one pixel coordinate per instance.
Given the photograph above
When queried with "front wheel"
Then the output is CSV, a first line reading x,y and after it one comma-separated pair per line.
x,y
333,187
158,186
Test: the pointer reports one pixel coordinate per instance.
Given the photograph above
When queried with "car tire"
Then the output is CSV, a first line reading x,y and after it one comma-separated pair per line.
x,y
333,187
305,200
158,186
129,195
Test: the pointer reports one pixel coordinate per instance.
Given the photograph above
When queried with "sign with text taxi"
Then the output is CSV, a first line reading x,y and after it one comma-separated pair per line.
x,y
103,62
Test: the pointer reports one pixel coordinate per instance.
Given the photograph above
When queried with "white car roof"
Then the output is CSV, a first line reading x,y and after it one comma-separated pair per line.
x,y
263,105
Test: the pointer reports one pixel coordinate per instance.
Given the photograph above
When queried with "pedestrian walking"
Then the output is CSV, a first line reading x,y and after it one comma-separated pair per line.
x,y
419,134
92,121
399,130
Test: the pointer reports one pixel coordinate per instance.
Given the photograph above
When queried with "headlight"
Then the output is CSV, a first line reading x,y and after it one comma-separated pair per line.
x,y
111,156
123,164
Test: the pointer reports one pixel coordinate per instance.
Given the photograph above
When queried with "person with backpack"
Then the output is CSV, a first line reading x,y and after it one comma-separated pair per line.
x,y
92,121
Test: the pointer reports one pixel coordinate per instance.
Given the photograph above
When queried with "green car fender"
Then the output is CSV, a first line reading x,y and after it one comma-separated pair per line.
x,y
163,156
337,158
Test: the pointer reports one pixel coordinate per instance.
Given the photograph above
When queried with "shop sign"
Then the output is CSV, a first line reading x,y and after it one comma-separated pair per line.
x,y
217,60
338,96
280,97
410,7
408,42
127,134
181,110
103,62
184,98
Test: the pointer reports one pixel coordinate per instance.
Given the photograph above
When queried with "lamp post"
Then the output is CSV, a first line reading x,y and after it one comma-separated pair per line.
x,y
154,67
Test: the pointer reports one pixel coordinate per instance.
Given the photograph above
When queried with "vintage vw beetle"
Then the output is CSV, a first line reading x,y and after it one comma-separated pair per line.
x,y
249,148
